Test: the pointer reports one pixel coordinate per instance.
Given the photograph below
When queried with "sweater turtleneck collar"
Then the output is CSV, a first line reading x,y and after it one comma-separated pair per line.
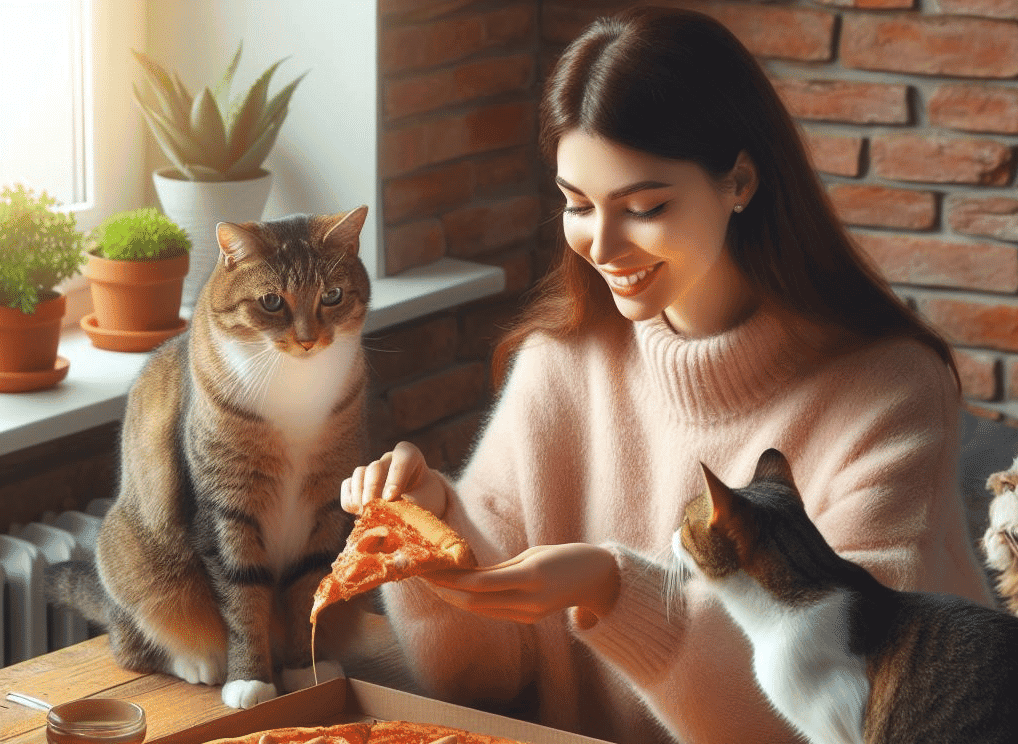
x,y
716,377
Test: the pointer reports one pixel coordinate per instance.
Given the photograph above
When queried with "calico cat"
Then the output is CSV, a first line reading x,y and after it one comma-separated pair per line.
x,y
236,438
842,657
1000,541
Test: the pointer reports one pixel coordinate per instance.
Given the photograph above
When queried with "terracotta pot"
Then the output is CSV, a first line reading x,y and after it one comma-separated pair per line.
x,y
28,343
136,295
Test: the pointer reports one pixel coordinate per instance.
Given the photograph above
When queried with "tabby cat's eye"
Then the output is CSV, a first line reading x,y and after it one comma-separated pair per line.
x,y
332,297
272,302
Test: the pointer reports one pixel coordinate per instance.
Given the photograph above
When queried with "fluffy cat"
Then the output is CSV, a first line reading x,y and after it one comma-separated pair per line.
x,y
842,657
1000,541
236,438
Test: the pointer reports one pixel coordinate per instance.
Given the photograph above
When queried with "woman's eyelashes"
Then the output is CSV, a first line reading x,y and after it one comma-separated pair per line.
x,y
577,209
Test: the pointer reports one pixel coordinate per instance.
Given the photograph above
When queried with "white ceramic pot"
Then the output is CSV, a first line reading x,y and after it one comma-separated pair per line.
x,y
198,206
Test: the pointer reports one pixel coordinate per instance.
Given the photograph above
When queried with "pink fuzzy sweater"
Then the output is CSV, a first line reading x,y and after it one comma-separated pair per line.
x,y
597,439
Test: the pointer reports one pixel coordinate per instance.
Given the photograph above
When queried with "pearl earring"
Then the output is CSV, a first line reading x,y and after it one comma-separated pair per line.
x,y
737,207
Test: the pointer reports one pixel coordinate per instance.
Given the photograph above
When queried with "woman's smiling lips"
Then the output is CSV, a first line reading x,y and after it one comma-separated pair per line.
x,y
630,282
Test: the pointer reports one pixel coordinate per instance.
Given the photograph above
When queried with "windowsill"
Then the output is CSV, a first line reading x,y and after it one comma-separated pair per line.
x,y
95,389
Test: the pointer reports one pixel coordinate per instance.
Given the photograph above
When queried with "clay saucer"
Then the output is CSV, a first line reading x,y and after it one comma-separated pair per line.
x,y
106,338
20,382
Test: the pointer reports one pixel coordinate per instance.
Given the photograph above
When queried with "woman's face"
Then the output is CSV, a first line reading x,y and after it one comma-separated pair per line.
x,y
655,230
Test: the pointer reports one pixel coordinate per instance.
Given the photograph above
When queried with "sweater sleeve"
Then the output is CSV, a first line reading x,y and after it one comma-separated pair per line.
x,y
458,655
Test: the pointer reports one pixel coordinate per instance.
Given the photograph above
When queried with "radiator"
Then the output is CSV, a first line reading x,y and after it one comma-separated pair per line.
x,y
30,626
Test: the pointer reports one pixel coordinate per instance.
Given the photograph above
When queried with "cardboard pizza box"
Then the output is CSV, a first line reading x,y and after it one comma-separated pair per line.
x,y
345,700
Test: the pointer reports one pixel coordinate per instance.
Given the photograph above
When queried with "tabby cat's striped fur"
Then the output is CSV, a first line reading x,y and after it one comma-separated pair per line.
x,y
236,438
841,656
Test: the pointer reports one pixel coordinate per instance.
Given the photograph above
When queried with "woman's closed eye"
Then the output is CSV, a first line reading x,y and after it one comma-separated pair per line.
x,y
649,213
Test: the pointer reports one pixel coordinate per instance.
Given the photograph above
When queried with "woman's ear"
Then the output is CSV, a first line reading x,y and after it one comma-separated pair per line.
x,y
745,179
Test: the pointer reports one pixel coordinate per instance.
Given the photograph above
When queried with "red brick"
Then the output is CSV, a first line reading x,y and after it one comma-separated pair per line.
x,y
448,393
1006,9
475,230
979,372
422,45
845,101
428,193
561,22
879,206
964,47
974,322
413,244
975,108
934,159
990,216
494,173
798,33
837,154
416,11
413,349
934,262
485,129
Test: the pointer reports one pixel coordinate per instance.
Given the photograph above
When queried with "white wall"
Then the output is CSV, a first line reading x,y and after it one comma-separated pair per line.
x,y
325,159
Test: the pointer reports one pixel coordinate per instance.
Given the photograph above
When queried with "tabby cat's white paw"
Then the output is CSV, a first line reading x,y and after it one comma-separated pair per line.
x,y
197,671
1003,517
299,679
247,693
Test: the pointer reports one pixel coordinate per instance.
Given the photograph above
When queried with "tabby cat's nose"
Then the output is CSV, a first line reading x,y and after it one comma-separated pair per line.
x,y
306,345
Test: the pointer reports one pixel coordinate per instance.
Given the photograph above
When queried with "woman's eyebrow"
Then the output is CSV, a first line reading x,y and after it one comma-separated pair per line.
x,y
618,193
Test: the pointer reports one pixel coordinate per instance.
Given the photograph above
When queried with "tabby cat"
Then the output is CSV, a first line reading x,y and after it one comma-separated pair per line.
x,y
236,438
841,656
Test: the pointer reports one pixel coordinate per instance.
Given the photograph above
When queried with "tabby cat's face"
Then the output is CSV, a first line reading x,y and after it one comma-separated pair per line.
x,y
293,284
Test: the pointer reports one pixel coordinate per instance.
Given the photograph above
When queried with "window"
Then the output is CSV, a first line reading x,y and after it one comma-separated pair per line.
x,y
44,92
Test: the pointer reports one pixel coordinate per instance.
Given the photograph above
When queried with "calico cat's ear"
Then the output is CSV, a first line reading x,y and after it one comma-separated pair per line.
x,y
773,465
721,496
342,234
235,243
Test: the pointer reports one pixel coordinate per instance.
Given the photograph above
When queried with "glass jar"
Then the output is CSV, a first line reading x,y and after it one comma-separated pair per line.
x,y
96,721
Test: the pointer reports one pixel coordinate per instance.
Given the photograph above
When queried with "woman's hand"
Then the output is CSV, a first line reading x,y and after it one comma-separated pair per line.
x,y
401,472
538,582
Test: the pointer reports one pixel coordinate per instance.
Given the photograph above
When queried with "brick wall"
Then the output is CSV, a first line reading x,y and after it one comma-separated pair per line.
x,y
910,108
460,177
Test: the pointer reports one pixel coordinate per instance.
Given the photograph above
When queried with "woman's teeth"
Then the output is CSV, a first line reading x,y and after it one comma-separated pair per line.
x,y
629,280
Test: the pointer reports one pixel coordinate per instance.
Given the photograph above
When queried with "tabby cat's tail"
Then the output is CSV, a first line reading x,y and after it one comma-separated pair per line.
x,y
76,584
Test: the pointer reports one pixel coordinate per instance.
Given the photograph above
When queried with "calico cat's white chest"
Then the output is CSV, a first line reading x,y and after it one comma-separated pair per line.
x,y
802,661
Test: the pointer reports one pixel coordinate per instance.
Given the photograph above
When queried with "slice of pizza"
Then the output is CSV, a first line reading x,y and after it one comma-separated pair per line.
x,y
391,541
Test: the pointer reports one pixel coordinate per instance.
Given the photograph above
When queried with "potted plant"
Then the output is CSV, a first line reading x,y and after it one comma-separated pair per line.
x,y
39,247
217,144
137,261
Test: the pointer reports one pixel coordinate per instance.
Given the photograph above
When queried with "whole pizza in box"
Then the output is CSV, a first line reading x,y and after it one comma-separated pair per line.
x,y
376,732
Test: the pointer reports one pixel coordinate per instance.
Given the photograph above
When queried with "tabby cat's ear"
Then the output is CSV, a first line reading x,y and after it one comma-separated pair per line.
x,y
725,519
773,465
235,243
343,234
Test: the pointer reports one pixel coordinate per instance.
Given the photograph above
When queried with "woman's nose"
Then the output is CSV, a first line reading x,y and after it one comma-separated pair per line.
x,y
605,242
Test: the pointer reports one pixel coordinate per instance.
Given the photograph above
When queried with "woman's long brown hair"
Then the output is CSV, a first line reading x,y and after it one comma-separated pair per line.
x,y
677,84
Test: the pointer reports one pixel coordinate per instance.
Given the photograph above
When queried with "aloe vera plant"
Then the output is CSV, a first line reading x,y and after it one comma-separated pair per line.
x,y
211,136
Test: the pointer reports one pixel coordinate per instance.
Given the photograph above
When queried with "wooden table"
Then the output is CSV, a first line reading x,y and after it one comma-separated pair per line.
x,y
88,670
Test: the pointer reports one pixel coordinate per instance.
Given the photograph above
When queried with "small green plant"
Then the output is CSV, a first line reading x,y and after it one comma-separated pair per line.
x,y
144,234
211,137
39,247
